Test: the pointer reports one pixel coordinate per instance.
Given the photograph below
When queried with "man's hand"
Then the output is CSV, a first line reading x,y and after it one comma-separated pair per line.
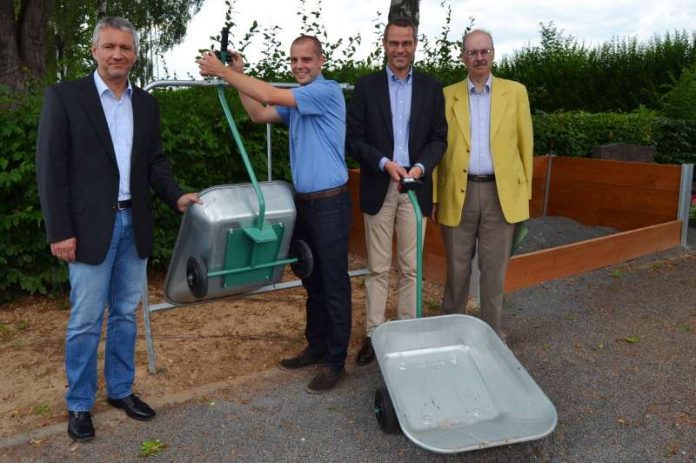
x,y
395,171
65,250
415,172
237,63
433,214
209,64
184,200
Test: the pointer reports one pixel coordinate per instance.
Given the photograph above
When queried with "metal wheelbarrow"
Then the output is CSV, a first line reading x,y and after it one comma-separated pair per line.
x,y
451,384
239,239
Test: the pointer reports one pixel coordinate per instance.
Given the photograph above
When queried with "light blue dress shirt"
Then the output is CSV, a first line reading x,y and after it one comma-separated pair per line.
x,y
119,117
317,136
480,161
400,93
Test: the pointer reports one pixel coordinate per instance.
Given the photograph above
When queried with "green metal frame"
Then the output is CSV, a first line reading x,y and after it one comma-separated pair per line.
x,y
251,252
419,255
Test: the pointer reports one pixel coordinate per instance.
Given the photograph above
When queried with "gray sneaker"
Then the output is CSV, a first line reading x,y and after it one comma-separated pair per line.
x,y
325,380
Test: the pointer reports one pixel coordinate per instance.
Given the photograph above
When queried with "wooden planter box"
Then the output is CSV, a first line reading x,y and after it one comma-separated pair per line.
x,y
640,200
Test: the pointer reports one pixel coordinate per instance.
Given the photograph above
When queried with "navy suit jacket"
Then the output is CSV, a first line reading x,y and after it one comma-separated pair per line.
x,y
370,135
78,176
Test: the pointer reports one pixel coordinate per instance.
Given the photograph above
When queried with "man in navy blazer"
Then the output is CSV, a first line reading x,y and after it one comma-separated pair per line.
x,y
98,156
396,128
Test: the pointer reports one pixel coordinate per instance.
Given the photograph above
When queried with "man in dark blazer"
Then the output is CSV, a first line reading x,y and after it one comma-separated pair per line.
x,y
396,129
98,155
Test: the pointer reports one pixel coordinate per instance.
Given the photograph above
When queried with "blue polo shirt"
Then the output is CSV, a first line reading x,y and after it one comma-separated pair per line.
x,y
317,136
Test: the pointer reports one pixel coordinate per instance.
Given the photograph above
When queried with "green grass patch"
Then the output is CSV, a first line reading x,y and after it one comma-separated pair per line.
x,y
41,409
151,448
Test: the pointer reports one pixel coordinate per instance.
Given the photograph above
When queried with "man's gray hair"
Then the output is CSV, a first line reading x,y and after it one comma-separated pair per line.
x,y
113,22
480,31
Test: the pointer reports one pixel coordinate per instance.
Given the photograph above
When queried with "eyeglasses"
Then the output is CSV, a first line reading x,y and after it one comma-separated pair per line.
x,y
475,53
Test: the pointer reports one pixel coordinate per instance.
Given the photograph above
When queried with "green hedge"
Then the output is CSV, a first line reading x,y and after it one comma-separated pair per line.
x,y
576,133
199,144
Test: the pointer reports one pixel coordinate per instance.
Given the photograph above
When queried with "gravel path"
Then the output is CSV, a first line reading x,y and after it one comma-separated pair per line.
x,y
614,349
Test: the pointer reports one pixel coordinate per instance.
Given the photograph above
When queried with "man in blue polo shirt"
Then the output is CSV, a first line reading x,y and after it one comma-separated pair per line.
x,y
316,116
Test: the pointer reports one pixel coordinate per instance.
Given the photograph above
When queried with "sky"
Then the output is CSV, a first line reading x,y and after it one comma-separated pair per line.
x,y
513,23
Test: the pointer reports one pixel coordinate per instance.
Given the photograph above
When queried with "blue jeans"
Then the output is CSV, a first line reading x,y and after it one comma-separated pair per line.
x,y
324,224
117,283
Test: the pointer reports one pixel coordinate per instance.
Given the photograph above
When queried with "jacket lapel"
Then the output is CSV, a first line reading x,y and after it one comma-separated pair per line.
x,y
498,100
461,110
383,103
417,96
89,100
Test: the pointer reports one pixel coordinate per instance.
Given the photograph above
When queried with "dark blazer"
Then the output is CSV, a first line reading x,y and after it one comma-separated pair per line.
x,y
77,172
370,135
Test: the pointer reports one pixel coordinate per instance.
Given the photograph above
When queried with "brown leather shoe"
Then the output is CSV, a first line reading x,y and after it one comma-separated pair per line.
x,y
325,380
366,354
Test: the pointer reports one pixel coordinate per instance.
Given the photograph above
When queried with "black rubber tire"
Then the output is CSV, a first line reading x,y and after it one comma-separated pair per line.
x,y
304,266
197,277
385,413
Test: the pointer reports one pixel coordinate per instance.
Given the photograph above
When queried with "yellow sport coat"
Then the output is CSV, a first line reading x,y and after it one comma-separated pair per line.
x,y
511,148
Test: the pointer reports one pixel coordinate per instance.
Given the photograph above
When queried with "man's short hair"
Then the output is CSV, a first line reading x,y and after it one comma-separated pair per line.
x,y
113,22
401,22
317,44
480,31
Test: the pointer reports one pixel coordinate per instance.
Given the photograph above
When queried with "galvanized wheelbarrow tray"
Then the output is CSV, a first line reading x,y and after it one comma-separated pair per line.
x,y
452,385
215,256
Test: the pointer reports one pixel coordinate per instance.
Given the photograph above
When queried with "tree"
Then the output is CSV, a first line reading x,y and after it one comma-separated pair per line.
x,y
50,39
405,9
22,48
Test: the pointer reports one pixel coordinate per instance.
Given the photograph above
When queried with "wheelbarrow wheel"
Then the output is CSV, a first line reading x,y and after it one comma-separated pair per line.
x,y
384,411
197,277
301,251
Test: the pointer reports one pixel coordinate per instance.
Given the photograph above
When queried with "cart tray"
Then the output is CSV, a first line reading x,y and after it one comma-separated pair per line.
x,y
456,386
205,229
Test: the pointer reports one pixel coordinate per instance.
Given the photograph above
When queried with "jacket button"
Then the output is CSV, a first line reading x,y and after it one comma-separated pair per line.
x,y
113,207
462,190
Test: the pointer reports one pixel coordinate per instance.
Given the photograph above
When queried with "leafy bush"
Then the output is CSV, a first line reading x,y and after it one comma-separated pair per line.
x,y
675,141
680,101
576,133
25,260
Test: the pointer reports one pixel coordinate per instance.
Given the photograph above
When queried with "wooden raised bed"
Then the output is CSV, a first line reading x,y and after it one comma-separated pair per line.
x,y
640,200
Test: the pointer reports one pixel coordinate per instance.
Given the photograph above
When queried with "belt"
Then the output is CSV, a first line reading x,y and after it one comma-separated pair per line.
x,y
322,194
123,204
481,178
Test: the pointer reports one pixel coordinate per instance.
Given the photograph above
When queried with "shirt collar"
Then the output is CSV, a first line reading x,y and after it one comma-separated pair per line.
x,y
102,87
392,77
486,86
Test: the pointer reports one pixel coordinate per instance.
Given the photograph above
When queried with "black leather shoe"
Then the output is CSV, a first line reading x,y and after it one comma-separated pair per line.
x,y
366,354
80,428
305,359
325,380
134,407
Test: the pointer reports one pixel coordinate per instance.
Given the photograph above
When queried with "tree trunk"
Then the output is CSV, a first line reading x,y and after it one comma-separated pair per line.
x,y
23,48
33,19
10,74
405,9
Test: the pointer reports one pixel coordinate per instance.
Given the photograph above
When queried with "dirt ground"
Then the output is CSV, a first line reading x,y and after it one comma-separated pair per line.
x,y
201,345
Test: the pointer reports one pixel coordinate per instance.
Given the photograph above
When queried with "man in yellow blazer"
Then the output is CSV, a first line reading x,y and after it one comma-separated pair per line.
x,y
483,184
